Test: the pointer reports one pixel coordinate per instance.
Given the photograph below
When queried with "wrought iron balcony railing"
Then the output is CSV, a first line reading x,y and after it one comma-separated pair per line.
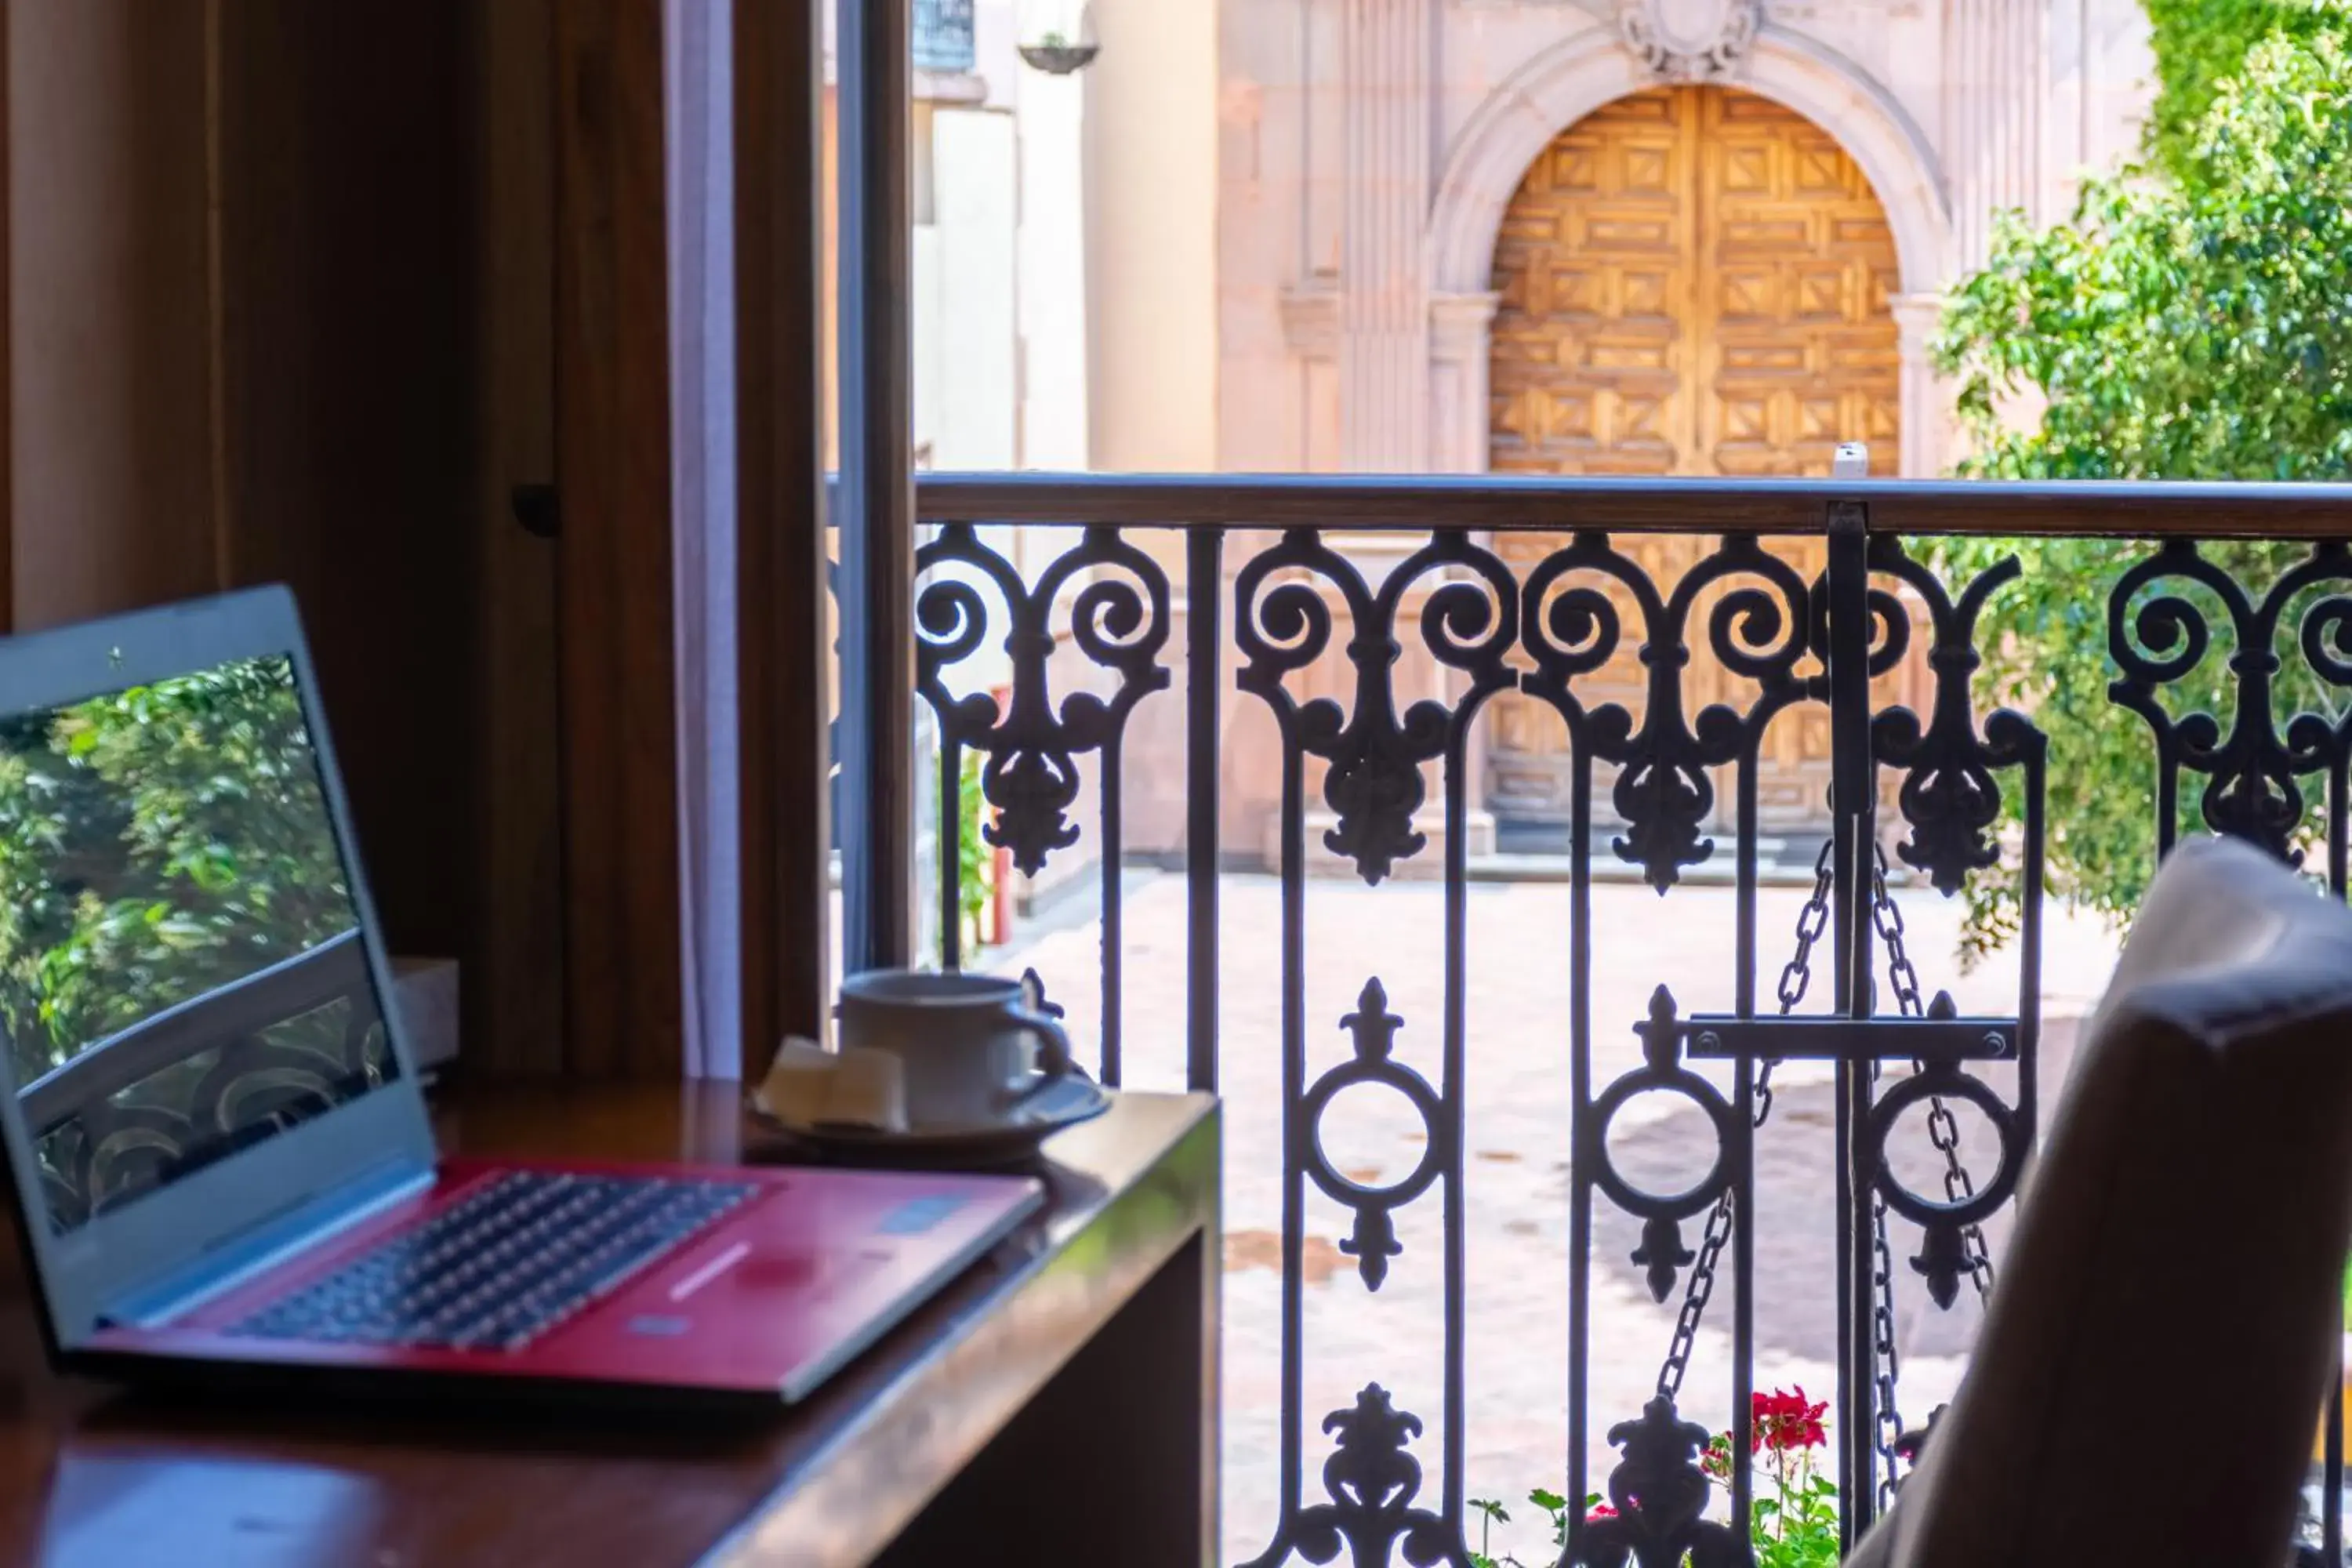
x,y
1278,589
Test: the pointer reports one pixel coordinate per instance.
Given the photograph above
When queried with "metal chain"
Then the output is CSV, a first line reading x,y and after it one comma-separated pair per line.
x,y
1696,1298
1885,1366
1943,1128
1887,916
1812,922
1797,975
1944,1132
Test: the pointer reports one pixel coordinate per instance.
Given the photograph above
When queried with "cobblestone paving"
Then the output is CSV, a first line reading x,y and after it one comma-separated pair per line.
x,y
1516,1209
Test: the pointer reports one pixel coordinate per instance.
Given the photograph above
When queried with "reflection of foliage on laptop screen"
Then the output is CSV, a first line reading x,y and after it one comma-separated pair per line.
x,y
158,845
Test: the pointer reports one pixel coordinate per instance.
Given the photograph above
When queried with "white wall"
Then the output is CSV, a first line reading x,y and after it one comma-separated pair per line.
x,y
969,329
1055,413
1151,126
966,292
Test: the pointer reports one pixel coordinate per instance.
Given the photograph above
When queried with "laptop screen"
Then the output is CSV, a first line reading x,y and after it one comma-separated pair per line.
x,y
181,968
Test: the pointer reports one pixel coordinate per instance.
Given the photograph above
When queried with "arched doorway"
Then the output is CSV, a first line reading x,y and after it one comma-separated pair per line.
x,y
1693,281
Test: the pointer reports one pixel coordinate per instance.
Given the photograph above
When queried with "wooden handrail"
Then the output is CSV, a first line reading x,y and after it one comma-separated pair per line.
x,y
2105,507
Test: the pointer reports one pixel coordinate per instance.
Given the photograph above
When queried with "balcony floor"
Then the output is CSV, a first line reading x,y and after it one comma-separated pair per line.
x,y
1516,1208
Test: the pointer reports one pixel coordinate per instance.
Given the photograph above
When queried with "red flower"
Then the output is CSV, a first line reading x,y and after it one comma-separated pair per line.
x,y
1602,1510
1781,1421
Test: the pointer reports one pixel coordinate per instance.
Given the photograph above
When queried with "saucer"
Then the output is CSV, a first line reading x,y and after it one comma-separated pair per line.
x,y
1016,1139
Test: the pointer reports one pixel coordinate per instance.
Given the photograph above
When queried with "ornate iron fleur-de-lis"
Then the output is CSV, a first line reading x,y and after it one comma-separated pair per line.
x,y
1372,1482
2252,774
1374,1029
1660,1495
1949,797
1120,623
1573,629
1373,782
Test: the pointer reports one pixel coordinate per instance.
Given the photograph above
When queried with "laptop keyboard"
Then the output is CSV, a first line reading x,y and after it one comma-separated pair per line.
x,y
505,1264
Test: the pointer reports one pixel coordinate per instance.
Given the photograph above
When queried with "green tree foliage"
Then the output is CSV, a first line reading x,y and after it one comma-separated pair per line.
x,y
154,844
2187,323
2202,44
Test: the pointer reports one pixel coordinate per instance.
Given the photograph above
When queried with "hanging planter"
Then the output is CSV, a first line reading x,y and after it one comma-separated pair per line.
x,y
1057,56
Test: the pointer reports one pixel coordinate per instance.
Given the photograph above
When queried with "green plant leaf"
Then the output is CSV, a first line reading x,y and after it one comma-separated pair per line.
x,y
2192,319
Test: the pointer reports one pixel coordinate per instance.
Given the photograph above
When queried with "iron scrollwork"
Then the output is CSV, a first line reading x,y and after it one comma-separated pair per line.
x,y
1758,632
1948,796
1660,1495
2254,772
1568,619
1286,601
1372,1481
1119,622
1374,754
1950,800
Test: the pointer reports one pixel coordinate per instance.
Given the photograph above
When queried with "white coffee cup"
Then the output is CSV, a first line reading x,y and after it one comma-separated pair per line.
x,y
972,1047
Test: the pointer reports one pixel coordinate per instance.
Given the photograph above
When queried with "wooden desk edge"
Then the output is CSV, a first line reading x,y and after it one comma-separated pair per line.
x,y
852,1497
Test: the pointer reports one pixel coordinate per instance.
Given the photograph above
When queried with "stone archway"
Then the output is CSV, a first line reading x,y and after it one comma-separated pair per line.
x,y
1577,76
1691,280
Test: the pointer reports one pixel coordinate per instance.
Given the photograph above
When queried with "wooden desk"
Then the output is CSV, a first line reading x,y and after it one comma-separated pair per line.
x,y
1055,1405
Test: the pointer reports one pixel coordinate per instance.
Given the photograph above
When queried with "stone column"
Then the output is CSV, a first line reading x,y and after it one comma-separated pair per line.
x,y
1460,343
1386,51
1927,402
1995,82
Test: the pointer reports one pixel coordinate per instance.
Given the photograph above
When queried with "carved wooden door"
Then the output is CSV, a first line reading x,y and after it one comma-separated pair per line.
x,y
1693,281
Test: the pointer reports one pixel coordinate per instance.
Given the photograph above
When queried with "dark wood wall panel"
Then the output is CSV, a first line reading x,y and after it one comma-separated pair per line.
x,y
517,992
782,686
113,490
614,573
346,258
282,304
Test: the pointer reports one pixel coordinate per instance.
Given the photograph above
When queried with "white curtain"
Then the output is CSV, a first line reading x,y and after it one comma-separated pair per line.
x,y
702,421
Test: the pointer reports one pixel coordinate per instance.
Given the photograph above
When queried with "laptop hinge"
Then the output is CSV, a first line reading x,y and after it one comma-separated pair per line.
x,y
268,1242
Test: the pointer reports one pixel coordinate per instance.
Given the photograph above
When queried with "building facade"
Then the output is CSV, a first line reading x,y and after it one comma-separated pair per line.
x,y
1419,198
1623,237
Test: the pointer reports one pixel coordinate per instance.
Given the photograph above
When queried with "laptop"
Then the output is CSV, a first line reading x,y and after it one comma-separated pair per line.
x,y
219,1146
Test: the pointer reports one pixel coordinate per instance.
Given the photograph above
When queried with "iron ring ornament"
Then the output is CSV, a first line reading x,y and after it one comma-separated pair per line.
x,y
1374,1029
1662,1253
1943,1255
1119,622
1371,1478
2254,770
